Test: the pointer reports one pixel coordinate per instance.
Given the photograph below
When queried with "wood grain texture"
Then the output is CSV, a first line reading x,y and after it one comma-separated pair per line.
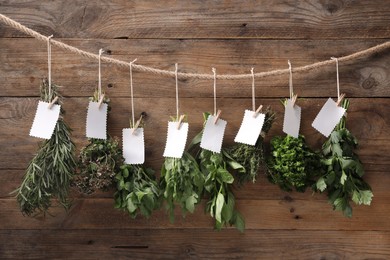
x,y
24,63
194,244
305,214
202,19
232,36
367,119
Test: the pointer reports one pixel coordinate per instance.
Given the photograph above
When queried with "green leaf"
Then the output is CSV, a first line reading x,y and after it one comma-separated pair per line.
x,y
218,207
366,197
356,197
343,178
240,222
190,203
130,206
225,175
228,209
321,185
336,148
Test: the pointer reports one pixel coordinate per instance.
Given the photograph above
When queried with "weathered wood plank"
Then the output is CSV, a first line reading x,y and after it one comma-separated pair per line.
x,y
212,19
198,244
24,62
308,214
367,119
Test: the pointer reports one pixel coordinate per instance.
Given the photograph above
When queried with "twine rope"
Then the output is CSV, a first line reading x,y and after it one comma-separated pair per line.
x,y
290,80
253,91
100,73
49,64
337,76
215,91
131,91
183,75
177,93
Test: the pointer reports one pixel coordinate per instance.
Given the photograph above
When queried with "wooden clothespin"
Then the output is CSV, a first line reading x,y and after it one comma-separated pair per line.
x,y
101,100
52,103
340,99
257,111
294,99
180,121
217,116
137,124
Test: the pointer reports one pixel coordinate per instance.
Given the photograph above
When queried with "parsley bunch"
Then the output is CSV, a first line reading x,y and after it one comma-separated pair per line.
x,y
252,157
137,190
344,171
292,164
49,173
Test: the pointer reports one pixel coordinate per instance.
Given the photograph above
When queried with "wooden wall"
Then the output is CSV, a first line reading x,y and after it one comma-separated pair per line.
x,y
232,36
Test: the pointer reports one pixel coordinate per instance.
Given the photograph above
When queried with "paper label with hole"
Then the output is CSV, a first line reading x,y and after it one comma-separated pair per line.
x,y
250,128
292,119
213,134
45,120
328,117
97,120
133,145
176,140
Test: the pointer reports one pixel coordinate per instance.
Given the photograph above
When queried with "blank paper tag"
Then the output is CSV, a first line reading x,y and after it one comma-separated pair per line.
x,y
213,134
97,120
133,145
328,117
250,128
292,119
176,140
45,120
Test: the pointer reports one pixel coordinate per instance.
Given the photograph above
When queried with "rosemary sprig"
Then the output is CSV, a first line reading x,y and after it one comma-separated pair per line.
x,y
49,173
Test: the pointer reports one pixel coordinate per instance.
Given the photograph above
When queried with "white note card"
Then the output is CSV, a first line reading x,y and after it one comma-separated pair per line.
x,y
292,119
250,128
133,145
176,140
213,134
97,120
45,120
328,117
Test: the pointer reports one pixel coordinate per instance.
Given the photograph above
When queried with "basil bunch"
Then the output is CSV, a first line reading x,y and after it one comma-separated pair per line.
x,y
182,183
99,162
137,190
292,164
252,157
344,171
49,173
218,185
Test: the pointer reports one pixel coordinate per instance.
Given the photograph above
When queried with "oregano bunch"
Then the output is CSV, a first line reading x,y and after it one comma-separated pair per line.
x,y
137,190
252,157
99,161
344,171
182,183
218,185
49,173
292,165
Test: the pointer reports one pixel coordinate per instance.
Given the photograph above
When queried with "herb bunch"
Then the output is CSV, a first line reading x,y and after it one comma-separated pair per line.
x,y
292,164
344,171
99,162
252,157
49,173
218,185
182,183
137,190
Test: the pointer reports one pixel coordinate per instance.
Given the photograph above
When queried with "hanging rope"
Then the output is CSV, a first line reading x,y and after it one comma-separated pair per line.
x,y
182,75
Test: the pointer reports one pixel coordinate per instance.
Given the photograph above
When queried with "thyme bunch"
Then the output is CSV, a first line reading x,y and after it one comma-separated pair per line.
x,y
99,162
252,157
49,173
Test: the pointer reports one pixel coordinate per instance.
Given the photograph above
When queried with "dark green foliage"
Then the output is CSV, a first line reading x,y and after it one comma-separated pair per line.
x,y
99,162
218,185
292,164
182,183
343,178
137,190
252,157
49,173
